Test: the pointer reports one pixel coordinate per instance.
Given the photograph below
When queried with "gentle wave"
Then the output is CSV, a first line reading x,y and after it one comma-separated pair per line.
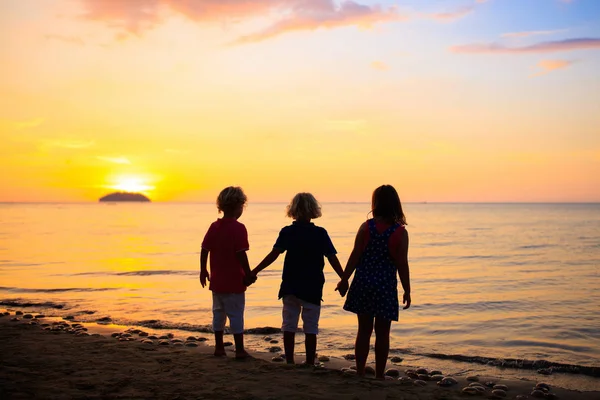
x,y
55,290
135,273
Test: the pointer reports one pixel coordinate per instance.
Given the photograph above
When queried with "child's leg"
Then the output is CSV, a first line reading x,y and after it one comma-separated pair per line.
x,y
289,342
219,318
290,315
363,342
310,344
234,306
310,317
382,345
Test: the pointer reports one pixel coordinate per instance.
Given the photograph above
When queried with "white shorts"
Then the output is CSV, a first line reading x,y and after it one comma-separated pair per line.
x,y
229,305
292,307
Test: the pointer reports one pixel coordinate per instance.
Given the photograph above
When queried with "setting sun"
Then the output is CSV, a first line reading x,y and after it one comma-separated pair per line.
x,y
132,184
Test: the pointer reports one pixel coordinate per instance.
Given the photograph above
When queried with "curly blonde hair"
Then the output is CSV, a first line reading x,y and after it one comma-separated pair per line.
x,y
304,206
230,198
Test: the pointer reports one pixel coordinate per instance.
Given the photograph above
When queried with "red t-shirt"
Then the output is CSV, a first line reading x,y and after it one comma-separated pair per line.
x,y
225,237
395,239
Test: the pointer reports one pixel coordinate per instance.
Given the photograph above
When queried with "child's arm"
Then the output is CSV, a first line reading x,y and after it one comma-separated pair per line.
x,y
204,275
268,260
353,260
335,264
242,257
403,269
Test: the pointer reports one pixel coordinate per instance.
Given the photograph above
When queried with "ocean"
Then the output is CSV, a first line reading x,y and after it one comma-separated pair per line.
x,y
500,289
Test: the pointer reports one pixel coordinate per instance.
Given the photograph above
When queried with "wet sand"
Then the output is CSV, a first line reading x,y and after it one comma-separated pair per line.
x,y
41,364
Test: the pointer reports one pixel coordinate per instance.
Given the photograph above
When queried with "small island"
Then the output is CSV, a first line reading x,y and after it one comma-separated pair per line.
x,y
124,196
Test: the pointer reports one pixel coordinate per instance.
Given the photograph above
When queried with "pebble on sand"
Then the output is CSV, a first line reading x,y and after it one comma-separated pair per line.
x,y
436,377
27,316
423,371
537,393
470,391
392,372
143,334
227,344
498,393
350,357
348,371
267,338
542,386
501,387
17,313
435,372
396,359
277,359
274,341
274,349
191,344
323,358
447,381
163,343
473,378
419,382
405,380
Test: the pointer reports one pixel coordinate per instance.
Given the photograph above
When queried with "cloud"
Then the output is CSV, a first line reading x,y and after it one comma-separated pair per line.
x,y
547,66
114,160
481,1
67,39
312,15
532,33
542,47
379,65
452,15
72,144
134,17
28,124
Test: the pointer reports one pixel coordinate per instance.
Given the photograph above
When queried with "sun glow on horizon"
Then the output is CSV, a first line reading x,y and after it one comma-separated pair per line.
x,y
132,184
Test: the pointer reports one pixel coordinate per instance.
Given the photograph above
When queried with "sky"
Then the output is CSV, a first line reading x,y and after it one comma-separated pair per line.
x,y
449,101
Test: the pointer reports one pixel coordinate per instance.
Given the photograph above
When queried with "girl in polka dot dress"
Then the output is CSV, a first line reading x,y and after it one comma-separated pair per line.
x,y
380,252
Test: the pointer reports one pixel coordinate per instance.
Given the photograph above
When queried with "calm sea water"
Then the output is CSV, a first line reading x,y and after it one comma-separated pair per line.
x,y
490,280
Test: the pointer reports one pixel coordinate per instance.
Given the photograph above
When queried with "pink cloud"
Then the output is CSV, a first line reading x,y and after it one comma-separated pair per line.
x,y
452,15
312,15
532,33
133,17
542,47
547,66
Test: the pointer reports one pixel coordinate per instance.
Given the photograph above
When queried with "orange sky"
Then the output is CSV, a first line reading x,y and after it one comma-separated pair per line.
x,y
179,99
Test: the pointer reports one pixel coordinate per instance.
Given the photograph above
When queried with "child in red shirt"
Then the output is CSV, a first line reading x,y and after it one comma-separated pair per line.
x,y
227,242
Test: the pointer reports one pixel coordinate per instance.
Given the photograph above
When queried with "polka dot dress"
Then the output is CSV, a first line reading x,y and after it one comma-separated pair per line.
x,y
374,289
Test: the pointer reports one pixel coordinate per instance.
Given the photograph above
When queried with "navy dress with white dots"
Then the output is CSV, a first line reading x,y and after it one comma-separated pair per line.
x,y
374,289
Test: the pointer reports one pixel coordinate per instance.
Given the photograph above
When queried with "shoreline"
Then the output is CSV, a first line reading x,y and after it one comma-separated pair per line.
x,y
52,364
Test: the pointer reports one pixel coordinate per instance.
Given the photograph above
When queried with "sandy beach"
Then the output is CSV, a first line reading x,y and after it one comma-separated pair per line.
x,y
38,362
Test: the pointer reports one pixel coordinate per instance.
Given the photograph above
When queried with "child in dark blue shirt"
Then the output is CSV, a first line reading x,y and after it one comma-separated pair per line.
x,y
303,279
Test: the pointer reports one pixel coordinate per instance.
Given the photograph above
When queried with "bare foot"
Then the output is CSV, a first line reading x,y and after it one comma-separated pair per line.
x,y
241,355
219,353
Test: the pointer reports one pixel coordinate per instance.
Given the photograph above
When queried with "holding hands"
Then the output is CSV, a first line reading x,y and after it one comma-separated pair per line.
x,y
342,287
250,278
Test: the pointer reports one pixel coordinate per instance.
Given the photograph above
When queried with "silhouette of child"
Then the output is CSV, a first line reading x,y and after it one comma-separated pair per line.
x,y
380,251
226,241
302,280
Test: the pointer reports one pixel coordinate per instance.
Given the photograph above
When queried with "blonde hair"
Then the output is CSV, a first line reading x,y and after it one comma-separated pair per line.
x,y
230,198
304,206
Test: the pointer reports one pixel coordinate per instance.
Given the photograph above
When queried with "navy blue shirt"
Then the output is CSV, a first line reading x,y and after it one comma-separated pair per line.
x,y
306,245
